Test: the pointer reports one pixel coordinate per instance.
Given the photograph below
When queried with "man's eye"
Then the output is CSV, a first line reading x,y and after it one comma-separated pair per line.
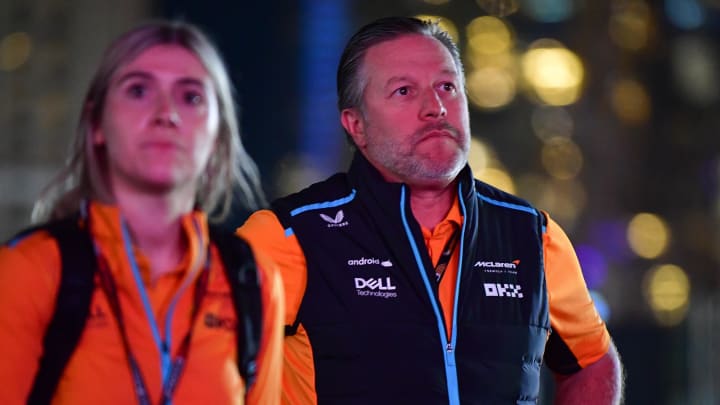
x,y
403,91
448,87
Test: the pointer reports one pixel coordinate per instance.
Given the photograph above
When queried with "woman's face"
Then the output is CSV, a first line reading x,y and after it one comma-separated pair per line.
x,y
160,122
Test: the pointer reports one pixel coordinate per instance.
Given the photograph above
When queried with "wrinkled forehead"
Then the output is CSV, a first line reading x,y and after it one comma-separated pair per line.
x,y
408,55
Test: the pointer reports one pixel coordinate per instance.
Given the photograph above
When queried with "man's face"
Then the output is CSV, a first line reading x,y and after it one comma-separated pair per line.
x,y
413,125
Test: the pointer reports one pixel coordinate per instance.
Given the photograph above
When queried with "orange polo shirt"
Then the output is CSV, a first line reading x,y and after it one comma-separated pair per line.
x,y
572,313
98,371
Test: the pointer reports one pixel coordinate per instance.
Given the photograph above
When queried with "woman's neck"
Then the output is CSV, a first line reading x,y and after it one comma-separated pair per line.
x,y
155,226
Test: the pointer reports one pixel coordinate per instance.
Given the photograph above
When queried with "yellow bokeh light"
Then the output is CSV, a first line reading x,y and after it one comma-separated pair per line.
x,y
667,290
489,35
561,158
564,199
648,235
549,122
480,156
554,72
498,178
14,50
498,8
490,88
444,23
486,167
630,24
630,101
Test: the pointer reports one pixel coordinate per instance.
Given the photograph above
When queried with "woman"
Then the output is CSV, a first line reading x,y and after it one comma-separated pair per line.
x,y
157,151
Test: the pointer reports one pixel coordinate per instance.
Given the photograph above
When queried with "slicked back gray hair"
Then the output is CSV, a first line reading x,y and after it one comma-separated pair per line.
x,y
350,78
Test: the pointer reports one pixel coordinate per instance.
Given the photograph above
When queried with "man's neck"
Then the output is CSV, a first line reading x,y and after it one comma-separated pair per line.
x,y
430,206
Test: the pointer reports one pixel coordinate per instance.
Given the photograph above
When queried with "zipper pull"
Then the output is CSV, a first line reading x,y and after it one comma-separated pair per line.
x,y
449,355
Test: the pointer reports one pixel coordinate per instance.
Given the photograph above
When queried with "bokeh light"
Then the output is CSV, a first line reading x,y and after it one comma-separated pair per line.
x,y
694,63
498,8
593,264
561,158
490,88
667,290
15,50
630,101
445,24
648,235
486,167
554,73
489,35
601,305
630,24
563,199
548,11
549,122
685,14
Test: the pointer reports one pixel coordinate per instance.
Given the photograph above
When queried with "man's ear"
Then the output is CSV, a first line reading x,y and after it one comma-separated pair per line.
x,y
352,120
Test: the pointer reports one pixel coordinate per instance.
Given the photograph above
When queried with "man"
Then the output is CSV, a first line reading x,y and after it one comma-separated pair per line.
x,y
407,281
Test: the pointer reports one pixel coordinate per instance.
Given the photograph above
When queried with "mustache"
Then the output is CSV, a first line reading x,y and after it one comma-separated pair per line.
x,y
436,126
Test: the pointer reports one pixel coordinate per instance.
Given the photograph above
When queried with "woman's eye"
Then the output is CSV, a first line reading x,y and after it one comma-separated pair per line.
x,y
193,98
136,90
403,91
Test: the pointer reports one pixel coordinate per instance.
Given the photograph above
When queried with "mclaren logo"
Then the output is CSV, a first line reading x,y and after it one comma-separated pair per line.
x,y
503,290
498,267
337,221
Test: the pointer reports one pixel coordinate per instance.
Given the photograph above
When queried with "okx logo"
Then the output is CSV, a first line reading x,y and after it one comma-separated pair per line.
x,y
503,290
337,221
382,287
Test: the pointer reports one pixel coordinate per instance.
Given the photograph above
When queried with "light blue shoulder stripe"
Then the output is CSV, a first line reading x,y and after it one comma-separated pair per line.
x,y
512,206
326,204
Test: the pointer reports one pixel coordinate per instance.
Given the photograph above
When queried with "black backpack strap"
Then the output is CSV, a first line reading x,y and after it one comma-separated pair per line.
x,y
72,306
242,275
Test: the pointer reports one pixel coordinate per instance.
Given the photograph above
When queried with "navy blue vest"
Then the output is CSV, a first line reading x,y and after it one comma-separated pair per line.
x,y
371,309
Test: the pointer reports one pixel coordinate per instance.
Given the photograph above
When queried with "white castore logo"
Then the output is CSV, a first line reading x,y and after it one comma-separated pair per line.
x,y
338,221
503,290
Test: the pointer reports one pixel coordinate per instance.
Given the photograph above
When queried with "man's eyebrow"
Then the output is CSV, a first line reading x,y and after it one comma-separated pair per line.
x,y
395,79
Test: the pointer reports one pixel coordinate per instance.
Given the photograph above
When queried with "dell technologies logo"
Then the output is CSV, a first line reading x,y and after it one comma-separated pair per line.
x,y
382,287
336,222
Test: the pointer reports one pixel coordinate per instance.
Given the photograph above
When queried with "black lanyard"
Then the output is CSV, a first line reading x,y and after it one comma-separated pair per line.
x,y
447,252
109,287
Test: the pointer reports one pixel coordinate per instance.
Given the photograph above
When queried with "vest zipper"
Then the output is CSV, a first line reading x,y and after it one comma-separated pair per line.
x,y
447,347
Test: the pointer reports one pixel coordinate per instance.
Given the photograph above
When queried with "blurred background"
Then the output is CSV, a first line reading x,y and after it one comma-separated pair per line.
x,y
604,113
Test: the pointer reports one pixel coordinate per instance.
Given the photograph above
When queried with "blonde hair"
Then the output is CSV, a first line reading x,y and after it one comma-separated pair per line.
x,y
230,171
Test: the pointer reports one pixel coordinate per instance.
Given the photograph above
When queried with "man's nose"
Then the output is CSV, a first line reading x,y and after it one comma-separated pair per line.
x,y
433,106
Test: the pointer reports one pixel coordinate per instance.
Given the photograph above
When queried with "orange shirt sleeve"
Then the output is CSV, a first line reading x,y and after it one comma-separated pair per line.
x,y
267,387
573,316
29,279
266,235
